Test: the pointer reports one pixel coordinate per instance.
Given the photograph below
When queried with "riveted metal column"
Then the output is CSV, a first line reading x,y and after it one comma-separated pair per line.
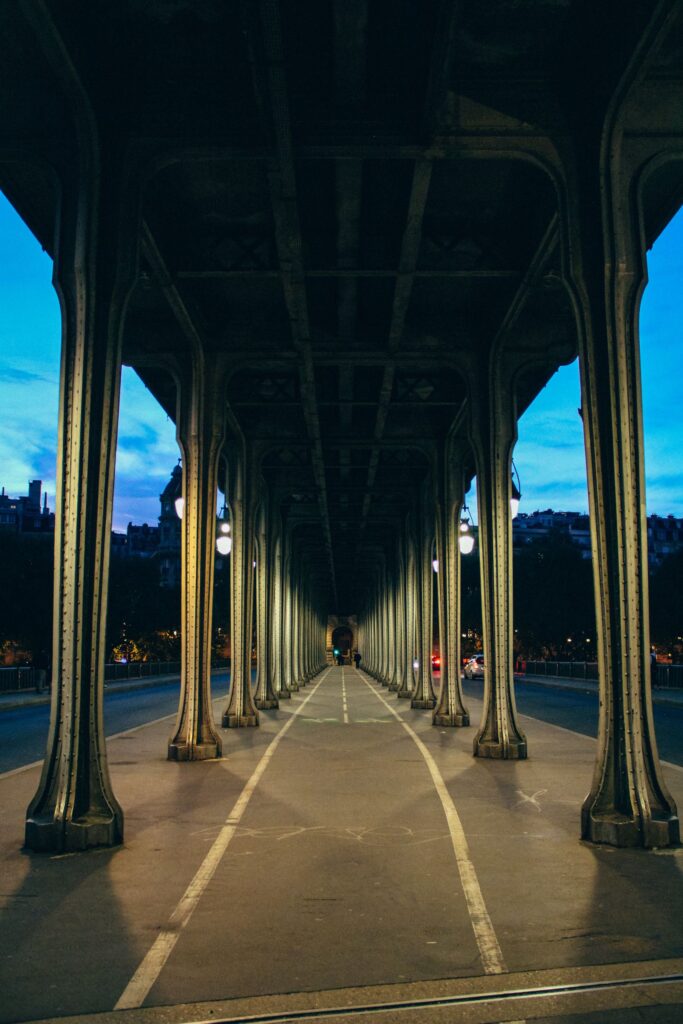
x,y
385,625
240,710
423,695
395,585
493,434
628,804
407,686
276,604
264,696
288,617
392,678
201,433
400,617
95,264
450,709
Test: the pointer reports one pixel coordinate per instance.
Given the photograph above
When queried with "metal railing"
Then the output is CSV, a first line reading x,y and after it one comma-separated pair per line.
x,y
662,675
13,680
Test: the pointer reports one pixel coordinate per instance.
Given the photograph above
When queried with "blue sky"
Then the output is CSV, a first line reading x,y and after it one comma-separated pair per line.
x,y
549,453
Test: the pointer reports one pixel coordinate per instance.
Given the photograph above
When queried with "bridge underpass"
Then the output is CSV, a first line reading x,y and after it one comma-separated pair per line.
x,y
345,245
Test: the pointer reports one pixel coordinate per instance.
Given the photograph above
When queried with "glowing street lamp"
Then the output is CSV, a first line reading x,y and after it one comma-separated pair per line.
x,y
516,491
465,538
224,540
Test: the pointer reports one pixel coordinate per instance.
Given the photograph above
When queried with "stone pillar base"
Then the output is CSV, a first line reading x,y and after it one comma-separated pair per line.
x,y
393,687
617,830
266,703
515,750
284,695
423,705
194,751
403,694
45,835
238,721
293,687
451,720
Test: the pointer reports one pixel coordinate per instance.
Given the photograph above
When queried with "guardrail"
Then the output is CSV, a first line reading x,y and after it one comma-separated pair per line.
x,y
663,676
13,680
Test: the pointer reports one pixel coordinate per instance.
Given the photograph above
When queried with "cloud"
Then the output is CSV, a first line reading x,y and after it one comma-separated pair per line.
x,y
14,375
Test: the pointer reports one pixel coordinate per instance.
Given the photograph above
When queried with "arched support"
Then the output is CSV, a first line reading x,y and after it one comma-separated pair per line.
x,y
201,433
628,803
423,696
265,698
240,710
95,267
493,434
407,682
450,709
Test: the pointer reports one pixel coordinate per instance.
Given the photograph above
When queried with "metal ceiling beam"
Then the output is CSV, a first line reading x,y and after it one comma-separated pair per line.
x,y
270,86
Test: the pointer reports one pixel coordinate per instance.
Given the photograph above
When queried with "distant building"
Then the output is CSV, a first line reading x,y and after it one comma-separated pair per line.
x,y
25,514
137,542
664,535
169,531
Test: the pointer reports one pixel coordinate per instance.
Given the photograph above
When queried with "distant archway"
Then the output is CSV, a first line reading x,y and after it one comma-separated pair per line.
x,y
342,639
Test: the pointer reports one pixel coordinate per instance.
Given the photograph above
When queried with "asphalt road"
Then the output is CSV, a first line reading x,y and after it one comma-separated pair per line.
x,y
23,731
578,710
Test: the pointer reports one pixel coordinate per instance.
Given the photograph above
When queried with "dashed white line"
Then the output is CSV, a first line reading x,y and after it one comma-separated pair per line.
x,y
149,970
345,706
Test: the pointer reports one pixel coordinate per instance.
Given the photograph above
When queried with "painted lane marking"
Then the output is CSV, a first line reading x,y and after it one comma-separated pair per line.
x,y
344,703
484,934
114,736
149,970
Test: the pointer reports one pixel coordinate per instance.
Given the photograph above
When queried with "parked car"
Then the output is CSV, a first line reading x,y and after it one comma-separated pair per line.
x,y
474,669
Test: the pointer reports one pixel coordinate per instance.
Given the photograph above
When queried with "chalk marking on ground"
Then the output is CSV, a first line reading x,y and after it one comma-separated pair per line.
x,y
149,970
484,934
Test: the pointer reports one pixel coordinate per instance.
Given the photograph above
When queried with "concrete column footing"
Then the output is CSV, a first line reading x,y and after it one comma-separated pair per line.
x,y
239,721
266,703
423,705
451,720
194,751
513,751
45,835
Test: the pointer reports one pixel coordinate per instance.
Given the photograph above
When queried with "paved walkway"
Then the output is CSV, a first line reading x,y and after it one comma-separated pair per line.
x,y
345,854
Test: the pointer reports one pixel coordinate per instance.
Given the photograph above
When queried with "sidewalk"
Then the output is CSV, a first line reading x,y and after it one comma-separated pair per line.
x,y
659,695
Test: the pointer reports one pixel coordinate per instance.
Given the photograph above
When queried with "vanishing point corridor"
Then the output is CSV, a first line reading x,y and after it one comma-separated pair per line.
x,y
346,849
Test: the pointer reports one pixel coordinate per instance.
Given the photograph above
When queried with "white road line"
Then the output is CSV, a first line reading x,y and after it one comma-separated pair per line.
x,y
489,950
573,732
344,704
114,736
149,970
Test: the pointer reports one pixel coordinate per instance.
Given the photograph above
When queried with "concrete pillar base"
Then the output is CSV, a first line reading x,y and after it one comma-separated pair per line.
x,y
293,687
284,695
513,750
403,694
194,751
266,703
423,704
393,687
45,835
451,720
238,721
614,829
